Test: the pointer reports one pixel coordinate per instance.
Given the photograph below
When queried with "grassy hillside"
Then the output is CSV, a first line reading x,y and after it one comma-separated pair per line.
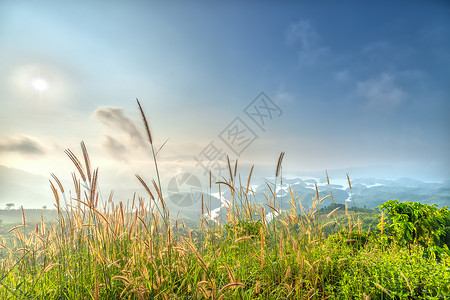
x,y
104,250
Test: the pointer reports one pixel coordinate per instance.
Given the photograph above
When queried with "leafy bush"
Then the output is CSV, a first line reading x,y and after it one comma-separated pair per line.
x,y
416,223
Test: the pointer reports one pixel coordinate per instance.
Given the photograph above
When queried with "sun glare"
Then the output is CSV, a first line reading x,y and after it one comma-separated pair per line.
x,y
40,84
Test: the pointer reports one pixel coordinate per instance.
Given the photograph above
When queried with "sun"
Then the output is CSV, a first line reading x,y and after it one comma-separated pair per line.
x,y
40,84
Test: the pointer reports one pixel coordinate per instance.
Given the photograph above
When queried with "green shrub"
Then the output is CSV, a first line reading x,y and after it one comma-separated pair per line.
x,y
416,223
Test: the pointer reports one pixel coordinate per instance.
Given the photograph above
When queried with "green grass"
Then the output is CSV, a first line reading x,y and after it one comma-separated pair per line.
x,y
103,251
96,250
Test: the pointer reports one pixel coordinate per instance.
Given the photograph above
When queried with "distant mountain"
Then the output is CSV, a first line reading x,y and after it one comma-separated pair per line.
x,y
23,188
33,191
368,192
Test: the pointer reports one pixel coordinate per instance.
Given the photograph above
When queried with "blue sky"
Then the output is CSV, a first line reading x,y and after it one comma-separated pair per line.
x,y
359,84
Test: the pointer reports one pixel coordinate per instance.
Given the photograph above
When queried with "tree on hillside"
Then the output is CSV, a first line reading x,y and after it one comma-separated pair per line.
x,y
10,205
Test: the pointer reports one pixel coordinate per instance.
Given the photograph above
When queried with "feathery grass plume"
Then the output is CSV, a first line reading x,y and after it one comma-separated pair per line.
x,y
332,212
77,163
86,160
331,191
231,285
23,216
93,198
77,185
407,282
327,196
145,186
149,135
248,181
281,175
61,188
144,119
351,193
55,194
317,192
280,160
382,288
229,169
349,183
203,207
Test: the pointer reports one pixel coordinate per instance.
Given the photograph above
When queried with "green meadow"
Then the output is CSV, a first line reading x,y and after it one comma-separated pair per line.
x,y
92,249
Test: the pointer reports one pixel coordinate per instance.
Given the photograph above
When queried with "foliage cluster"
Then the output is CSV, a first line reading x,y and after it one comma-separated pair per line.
x,y
415,223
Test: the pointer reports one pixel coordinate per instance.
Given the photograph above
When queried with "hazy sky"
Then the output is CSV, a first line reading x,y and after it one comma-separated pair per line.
x,y
348,85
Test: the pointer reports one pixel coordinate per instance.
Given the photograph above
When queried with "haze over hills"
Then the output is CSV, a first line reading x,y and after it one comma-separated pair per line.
x,y
33,191
23,188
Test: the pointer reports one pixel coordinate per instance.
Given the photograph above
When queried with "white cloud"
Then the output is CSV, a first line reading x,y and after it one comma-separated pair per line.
x,y
283,96
23,145
305,36
303,33
381,93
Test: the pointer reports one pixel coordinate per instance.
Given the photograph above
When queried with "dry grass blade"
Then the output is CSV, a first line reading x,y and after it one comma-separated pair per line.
x,y
55,194
227,184
382,288
76,162
231,286
272,207
49,267
23,216
317,192
348,179
407,281
86,160
200,259
280,159
17,227
76,184
324,198
123,278
210,180
111,196
61,188
229,168
94,187
147,128
328,179
271,190
145,186
244,238
333,211
249,177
